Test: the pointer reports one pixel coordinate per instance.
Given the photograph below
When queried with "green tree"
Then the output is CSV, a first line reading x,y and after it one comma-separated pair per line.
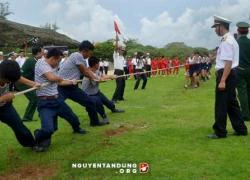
x,y
104,50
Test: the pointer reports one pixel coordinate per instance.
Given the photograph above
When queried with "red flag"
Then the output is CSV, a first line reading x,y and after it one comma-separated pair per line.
x,y
117,30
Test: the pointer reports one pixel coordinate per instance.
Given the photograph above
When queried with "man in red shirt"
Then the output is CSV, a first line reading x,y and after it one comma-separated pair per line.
x,y
176,64
154,66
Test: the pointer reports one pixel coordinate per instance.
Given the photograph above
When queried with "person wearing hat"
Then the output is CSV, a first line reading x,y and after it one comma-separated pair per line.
x,y
243,70
226,103
28,71
118,57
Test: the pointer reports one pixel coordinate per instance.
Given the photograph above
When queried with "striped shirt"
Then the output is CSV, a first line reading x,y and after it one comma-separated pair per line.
x,y
41,68
4,90
91,87
69,69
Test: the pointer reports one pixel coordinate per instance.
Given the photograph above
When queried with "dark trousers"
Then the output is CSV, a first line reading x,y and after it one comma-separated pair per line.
x,y
101,100
49,110
148,68
243,88
120,86
76,94
32,105
106,68
126,71
134,70
101,69
9,116
226,104
139,77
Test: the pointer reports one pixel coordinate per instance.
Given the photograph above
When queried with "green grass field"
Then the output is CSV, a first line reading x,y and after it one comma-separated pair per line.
x,y
165,126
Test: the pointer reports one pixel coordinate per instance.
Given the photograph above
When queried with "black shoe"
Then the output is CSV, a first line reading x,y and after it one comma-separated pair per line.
x,y
80,131
214,136
39,148
240,133
105,120
122,99
118,111
45,143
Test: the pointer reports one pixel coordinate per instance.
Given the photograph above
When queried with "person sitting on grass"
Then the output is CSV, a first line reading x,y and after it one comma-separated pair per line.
x,y
91,88
10,73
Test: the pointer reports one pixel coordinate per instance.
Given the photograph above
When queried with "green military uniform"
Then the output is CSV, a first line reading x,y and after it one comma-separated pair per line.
x,y
243,86
28,71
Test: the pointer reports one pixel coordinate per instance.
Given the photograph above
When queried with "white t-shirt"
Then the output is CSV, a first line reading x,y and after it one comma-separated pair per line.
x,y
106,63
133,61
118,61
101,63
191,60
227,51
139,63
20,60
125,63
148,60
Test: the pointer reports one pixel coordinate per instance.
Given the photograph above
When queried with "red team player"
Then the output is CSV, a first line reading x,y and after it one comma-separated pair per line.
x,y
176,64
130,66
168,70
154,64
163,65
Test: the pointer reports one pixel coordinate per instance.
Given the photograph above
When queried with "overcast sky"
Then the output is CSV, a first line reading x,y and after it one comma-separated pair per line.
x,y
151,22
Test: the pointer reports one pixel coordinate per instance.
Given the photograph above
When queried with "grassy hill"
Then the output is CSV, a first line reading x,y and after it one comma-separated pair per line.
x,y
15,34
164,125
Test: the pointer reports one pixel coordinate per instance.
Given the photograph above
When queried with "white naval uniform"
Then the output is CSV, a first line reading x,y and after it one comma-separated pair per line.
x,y
227,51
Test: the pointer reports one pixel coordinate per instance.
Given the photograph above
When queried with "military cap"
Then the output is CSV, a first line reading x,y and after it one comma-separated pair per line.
x,y
218,20
242,25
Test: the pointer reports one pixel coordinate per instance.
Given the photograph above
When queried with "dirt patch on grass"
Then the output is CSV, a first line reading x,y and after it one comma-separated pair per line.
x,y
30,172
117,132
123,129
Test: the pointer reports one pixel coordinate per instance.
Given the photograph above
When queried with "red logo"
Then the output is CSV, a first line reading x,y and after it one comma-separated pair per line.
x,y
144,167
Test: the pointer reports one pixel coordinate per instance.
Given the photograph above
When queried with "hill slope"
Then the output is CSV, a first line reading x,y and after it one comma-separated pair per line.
x,y
15,34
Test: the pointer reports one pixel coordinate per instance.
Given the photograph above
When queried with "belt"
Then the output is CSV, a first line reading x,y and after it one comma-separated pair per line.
x,y
233,69
48,97
221,70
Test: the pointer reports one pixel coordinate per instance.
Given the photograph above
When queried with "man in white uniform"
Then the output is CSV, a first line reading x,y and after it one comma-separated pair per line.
x,y
118,66
226,103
